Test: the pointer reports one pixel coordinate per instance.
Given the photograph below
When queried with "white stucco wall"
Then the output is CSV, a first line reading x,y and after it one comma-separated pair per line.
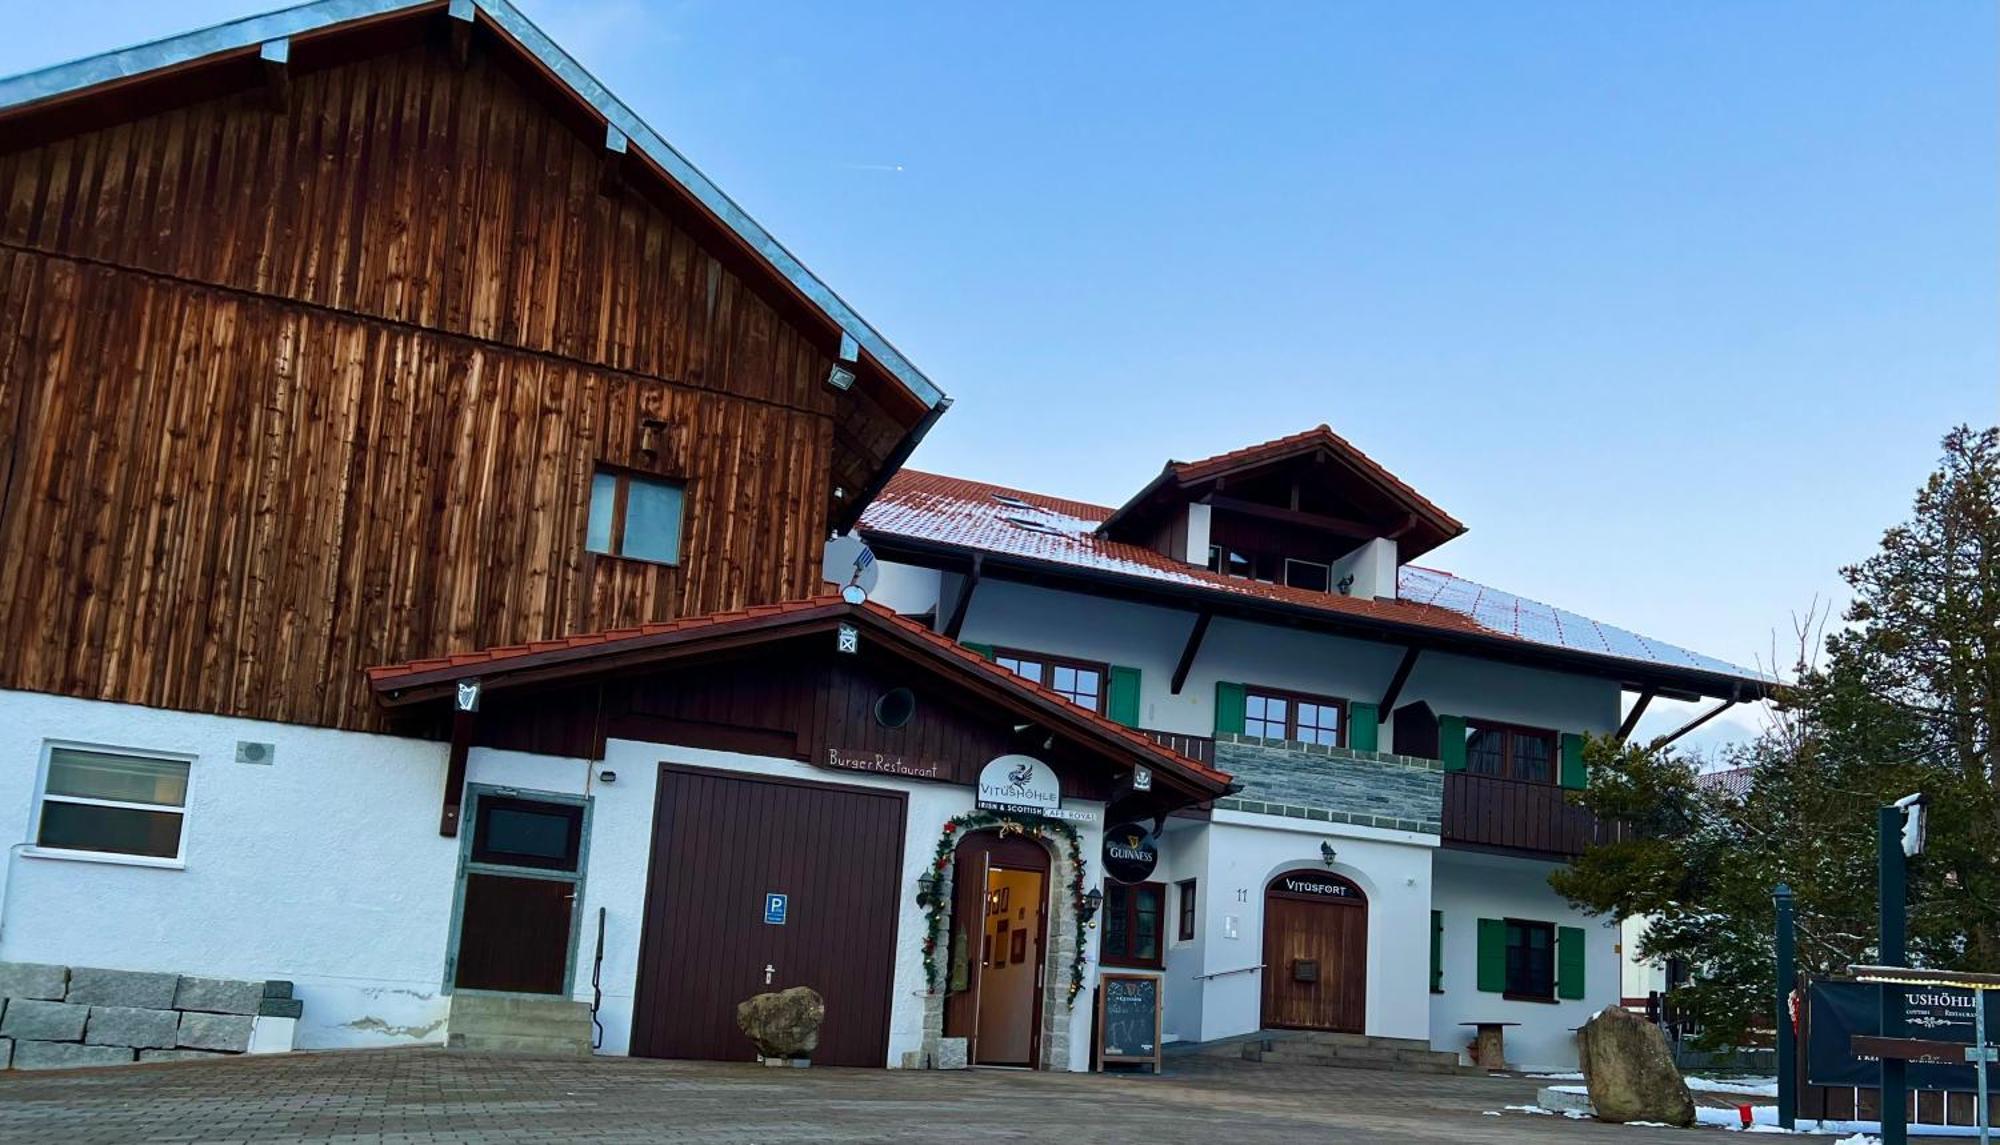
x,y
1641,976
1184,855
1468,887
1393,868
326,867
1150,639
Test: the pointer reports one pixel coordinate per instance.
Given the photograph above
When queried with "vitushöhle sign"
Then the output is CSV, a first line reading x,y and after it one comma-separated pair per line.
x,y
1840,1010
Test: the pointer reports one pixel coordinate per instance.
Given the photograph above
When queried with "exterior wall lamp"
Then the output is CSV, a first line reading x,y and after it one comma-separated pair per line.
x,y
1326,852
927,890
1092,903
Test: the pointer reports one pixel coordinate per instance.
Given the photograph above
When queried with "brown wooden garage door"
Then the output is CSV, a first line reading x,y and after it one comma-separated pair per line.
x,y
722,842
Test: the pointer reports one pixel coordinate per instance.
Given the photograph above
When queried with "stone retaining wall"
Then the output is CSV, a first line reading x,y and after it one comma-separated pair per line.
x,y
65,1017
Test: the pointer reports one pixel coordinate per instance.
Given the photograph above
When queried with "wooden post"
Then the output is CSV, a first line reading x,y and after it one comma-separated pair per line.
x,y
1788,1079
465,706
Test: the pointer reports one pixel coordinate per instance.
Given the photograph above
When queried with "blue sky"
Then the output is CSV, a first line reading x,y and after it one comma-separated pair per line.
x,y
1669,302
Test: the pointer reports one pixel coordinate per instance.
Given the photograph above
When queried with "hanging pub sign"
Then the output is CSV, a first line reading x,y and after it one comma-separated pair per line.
x,y
1130,853
1023,785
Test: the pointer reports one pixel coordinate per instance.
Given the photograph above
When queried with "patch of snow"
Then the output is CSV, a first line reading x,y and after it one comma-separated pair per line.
x,y
1764,1119
1755,1086
1571,1076
1534,1109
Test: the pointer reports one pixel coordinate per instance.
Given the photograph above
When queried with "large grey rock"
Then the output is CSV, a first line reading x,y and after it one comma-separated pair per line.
x,y
784,1024
136,988
227,1032
129,1026
44,1021
33,980
1630,1072
68,1055
218,995
180,1055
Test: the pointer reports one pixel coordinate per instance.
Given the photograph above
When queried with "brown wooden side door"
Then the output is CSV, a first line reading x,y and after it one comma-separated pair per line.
x,y
722,843
1315,963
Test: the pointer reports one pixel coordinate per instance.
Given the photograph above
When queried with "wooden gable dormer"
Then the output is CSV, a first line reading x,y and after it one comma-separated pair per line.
x,y
325,325
1308,510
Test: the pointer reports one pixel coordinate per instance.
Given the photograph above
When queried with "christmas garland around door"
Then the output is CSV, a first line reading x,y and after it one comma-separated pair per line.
x,y
1008,825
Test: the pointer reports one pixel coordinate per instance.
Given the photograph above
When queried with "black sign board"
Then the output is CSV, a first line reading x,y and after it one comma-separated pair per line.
x,y
1842,1010
1130,853
1128,1019
1316,885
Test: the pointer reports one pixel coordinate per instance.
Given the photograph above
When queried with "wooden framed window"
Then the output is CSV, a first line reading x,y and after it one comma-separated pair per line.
x,y
1505,751
1229,562
1186,916
1308,574
1132,917
635,516
1531,960
109,802
1081,682
1294,716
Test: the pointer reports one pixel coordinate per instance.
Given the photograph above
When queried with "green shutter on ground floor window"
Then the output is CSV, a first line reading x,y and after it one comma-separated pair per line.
x,y
1437,952
1121,701
1569,962
1228,708
1451,744
1363,727
984,650
1575,775
1493,955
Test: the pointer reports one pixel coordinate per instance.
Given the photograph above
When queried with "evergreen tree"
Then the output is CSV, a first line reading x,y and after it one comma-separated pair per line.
x,y
1907,699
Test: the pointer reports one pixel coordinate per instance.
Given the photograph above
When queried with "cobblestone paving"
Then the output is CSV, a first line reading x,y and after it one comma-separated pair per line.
x,y
430,1096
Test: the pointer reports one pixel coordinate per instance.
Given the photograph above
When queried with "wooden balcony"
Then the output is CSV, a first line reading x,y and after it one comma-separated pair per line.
x,y
1201,748
1486,813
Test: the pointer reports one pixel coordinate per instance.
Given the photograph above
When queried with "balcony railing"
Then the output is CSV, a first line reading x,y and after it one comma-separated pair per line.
x,y
1483,811
1201,748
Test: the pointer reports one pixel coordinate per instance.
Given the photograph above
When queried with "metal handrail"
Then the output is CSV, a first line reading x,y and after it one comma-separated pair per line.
x,y
1227,973
597,986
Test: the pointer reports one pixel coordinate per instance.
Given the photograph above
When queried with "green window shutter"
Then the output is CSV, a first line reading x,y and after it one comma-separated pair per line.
x,y
1569,962
1451,745
1493,955
1437,952
1575,775
1121,701
984,650
1228,708
1363,727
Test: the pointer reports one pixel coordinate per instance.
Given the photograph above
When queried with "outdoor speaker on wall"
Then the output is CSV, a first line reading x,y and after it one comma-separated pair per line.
x,y
249,751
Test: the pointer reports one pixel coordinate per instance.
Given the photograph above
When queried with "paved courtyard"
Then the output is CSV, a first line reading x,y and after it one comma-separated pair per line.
x,y
431,1096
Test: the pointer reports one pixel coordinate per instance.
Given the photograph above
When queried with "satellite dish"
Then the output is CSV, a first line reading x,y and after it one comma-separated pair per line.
x,y
850,563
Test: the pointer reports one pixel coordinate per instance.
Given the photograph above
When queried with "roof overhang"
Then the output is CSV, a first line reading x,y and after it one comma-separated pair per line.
x,y
228,54
558,663
1666,681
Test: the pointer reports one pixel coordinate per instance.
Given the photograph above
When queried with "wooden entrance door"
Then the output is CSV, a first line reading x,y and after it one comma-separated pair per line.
x,y
971,949
519,878
1315,953
722,844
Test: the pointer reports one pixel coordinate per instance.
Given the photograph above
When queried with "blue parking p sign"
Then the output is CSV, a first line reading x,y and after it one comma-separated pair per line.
x,y
774,909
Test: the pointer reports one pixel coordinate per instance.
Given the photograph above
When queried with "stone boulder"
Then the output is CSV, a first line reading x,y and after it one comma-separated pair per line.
x,y
784,1024
1630,1071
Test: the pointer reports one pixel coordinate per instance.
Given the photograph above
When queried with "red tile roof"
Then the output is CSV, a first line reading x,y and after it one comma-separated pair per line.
x,y
488,661
957,513
1320,436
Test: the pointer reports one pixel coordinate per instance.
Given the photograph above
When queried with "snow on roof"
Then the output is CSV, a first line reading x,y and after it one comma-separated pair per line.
x,y
932,508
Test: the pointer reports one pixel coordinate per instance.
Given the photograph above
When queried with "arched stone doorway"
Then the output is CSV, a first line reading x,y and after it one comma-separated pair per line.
x,y
1007,934
1315,953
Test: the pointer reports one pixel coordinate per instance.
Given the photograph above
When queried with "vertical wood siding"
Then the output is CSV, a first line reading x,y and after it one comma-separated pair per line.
x,y
283,395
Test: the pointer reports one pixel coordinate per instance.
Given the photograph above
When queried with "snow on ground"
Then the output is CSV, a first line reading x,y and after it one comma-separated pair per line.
x,y
1765,1120
1757,1086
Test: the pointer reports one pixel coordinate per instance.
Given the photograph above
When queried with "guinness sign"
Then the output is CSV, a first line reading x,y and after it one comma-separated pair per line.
x,y
1130,853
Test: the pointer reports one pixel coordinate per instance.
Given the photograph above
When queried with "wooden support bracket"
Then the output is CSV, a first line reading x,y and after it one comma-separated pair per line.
x,y
957,621
1691,725
1191,648
611,162
464,708
1388,705
1632,718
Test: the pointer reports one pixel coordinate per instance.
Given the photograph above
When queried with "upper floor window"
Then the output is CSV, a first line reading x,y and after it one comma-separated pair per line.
x,y
1508,752
1294,716
1081,682
632,515
1308,574
1229,562
112,803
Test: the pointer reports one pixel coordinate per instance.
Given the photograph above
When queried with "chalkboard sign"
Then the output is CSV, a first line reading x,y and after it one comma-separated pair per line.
x,y
1128,1019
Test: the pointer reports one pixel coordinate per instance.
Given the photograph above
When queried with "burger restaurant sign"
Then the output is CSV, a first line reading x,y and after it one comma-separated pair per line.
x,y
1024,785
